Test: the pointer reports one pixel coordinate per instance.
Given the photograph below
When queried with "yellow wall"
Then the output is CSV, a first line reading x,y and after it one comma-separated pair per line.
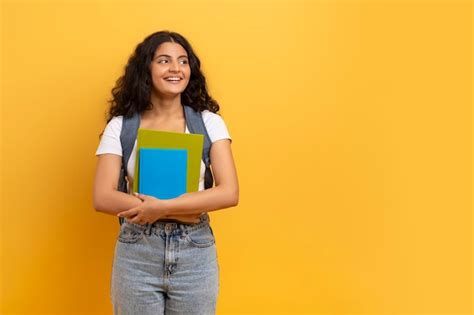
x,y
351,126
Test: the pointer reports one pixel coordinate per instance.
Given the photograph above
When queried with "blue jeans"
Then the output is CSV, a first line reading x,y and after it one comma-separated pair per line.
x,y
165,268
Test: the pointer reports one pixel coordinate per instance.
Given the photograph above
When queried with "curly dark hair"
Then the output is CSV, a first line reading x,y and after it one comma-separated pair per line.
x,y
132,91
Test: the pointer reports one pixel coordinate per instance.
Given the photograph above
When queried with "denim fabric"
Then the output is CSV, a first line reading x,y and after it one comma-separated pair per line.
x,y
165,268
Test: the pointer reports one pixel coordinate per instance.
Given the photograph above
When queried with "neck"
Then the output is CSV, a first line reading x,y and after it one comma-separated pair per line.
x,y
166,107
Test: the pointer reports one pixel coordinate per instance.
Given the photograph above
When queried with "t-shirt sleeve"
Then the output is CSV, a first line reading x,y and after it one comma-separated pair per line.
x,y
216,127
110,141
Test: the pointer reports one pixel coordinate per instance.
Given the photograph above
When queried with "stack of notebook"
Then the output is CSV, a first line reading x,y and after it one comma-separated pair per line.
x,y
168,164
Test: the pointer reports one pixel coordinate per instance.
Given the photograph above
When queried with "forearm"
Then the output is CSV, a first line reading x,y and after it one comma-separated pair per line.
x,y
114,202
201,201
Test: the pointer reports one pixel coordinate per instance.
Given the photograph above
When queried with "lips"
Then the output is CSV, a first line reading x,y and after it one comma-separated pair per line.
x,y
173,79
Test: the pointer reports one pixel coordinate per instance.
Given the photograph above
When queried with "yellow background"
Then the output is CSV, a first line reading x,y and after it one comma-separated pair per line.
x,y
351,127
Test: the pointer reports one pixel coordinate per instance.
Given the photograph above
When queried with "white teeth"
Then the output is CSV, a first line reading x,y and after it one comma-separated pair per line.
x,y
173,79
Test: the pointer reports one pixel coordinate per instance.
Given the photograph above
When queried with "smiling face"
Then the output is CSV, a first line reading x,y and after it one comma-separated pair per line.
x,y
169,69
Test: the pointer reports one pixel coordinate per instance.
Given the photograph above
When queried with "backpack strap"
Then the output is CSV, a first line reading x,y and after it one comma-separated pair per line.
x,y
129,132
128,135
195,124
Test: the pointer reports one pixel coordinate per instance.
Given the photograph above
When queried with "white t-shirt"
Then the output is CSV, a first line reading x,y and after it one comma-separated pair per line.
x,y
110,141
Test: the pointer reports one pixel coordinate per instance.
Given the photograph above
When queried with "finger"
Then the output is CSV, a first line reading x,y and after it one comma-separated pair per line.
x,y
136,219
141,196
136,196
129,219
129,213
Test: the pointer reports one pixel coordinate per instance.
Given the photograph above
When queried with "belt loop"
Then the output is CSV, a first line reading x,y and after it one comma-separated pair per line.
x,y
148,229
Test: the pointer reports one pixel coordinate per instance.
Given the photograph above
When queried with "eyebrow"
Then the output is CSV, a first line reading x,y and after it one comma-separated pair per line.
x,y
170,56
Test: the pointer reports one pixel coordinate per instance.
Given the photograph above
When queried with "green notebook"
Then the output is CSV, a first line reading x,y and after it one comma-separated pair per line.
x,y
148,138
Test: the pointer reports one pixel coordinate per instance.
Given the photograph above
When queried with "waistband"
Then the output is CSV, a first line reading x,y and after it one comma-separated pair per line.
x,y
171,225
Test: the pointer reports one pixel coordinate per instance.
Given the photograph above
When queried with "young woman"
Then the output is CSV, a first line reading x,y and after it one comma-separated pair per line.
x,y
165,258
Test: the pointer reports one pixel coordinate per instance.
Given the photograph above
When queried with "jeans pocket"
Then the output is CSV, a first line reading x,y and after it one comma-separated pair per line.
x,y
130,233
201,238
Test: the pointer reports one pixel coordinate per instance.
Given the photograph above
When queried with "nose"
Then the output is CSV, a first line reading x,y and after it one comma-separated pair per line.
x,y
174,66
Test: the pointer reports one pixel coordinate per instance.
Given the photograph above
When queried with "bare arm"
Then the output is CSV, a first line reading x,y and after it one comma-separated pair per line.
x,y
106,197
224,195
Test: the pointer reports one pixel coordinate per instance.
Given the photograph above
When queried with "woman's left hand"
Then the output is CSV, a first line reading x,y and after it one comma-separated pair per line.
x,y
150,210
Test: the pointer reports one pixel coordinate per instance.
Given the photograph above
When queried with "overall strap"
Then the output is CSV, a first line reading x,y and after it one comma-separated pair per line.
x,y
195,124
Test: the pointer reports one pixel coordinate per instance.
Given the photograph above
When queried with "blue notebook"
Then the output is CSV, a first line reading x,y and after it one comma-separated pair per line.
x,y
163,172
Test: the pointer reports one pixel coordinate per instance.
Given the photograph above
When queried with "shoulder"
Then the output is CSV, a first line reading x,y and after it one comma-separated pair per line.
x,y
110,139
209,117
114,126
215,126
116,121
